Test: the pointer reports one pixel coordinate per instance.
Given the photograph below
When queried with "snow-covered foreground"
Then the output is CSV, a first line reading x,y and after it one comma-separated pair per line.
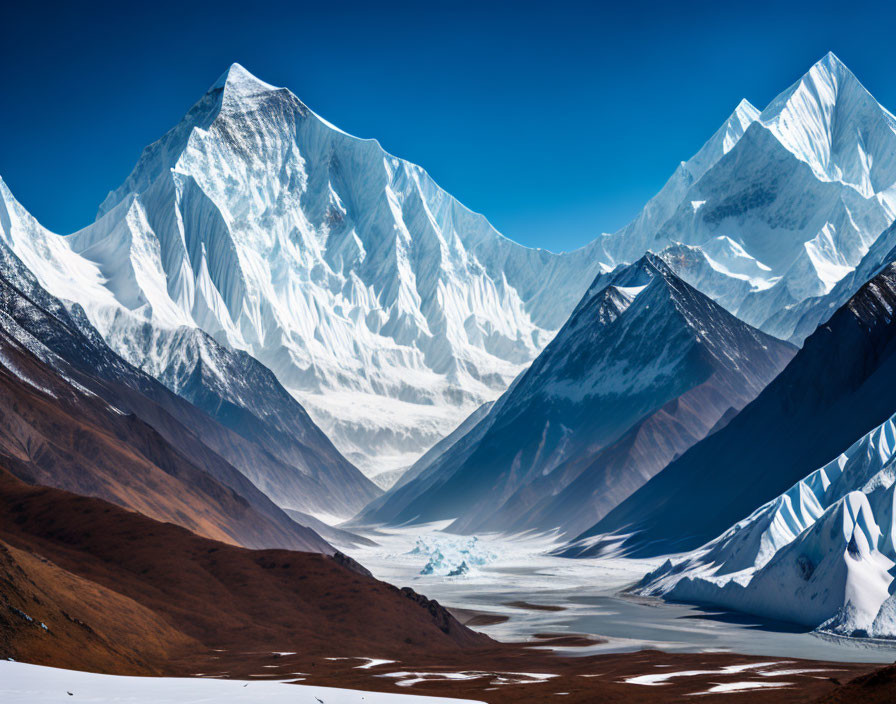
x,y
21,683
584,598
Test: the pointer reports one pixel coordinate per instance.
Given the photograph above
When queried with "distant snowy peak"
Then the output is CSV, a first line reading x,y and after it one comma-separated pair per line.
x,y
778,206
235,90
641,234
723,140
237,81
831,122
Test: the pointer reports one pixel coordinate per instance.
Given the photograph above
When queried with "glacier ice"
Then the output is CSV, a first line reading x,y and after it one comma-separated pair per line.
x,y
451,557
821,554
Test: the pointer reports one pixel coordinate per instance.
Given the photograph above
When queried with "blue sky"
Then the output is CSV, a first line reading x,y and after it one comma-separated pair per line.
x,y
557,120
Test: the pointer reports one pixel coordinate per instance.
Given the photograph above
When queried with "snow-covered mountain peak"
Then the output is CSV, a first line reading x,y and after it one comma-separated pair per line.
x,y
746,109
830,121
384,305
236,80
777,207
612,293
723,140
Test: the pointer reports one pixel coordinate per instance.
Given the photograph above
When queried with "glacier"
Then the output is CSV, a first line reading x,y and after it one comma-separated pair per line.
x,y
822,553
450,557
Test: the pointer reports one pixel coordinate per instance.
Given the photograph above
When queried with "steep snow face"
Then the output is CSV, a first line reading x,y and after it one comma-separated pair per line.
x,y
780,205
805,317
282,451
644,367
385,306
50,257
822,553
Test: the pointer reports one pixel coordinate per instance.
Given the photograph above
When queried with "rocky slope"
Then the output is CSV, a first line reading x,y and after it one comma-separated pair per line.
x,y
827,397
79,417
119,592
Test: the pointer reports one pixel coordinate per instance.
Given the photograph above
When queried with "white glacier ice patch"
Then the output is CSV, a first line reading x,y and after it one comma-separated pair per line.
x,y
452,557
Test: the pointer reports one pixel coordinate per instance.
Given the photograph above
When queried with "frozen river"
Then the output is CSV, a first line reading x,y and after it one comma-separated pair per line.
x,y
502,576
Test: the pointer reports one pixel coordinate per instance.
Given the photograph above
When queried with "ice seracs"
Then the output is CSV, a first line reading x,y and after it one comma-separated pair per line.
x,y
821,554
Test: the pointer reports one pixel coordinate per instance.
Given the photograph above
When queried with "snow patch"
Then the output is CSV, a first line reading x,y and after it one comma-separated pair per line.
x,y
21,683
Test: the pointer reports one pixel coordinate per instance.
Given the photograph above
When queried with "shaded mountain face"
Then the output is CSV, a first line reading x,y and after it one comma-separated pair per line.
x,y
122,593
78,417
644,368
779,205
832,393
290,459
385,306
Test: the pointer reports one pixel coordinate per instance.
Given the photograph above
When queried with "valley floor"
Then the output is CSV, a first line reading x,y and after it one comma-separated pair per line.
x,y
582,597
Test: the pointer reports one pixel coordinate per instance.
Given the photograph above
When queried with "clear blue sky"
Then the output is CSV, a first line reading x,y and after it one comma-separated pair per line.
x,y
557,120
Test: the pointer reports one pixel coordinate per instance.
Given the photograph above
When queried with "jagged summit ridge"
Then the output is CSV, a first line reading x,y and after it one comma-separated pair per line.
x,y
830,121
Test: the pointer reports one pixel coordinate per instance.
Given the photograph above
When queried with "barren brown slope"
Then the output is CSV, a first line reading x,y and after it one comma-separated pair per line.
x,y
219,595
50,615
65,342
878,687
55,431
121,593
